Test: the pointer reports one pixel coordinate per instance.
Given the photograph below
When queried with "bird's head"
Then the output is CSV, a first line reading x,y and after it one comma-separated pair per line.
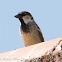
x,y
24,17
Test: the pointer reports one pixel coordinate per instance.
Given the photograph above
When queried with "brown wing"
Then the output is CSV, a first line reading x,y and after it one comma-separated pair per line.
x,y
40,34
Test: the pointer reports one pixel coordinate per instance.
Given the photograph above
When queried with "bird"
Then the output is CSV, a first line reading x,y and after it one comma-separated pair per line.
x,y
29,30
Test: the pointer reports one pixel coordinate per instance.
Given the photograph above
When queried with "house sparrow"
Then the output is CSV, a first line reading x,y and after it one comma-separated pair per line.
x,y
29,30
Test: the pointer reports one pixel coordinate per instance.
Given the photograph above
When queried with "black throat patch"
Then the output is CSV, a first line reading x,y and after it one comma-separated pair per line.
x,y
24,27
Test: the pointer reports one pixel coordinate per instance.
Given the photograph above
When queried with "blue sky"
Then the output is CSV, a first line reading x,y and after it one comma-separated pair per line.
x,y
47,14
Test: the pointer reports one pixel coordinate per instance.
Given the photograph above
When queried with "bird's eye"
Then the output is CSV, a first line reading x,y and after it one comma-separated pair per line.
x,y
32,18
23,14
19,14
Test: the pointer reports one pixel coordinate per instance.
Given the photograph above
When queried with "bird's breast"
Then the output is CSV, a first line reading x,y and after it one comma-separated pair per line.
x,y
30,38
25,28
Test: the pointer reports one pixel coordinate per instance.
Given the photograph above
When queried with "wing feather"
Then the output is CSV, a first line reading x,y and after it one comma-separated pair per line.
x,y
40,33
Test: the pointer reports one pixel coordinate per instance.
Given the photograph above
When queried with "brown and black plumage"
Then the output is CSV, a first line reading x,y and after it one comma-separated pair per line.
x,y
29,30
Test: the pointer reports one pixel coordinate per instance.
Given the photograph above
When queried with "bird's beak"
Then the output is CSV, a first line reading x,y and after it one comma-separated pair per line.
x,y
17,16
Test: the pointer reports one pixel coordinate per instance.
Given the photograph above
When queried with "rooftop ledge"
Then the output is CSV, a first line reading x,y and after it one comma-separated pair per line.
x,y
42,52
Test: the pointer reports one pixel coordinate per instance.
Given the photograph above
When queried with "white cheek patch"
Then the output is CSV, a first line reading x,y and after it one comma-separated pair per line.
x,y
27,19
